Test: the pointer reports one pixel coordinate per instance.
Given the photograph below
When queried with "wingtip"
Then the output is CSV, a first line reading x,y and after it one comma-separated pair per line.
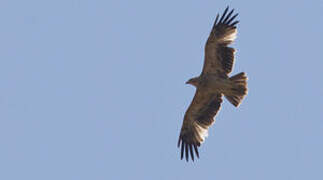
x,y
232,18
191,152
235,23
228,16
182,150
196,151
179,142
223,15
188,150
216,20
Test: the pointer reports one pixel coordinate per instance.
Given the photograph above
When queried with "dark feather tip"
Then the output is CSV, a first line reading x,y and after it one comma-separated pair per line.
x,y
224,13
196,151
186,152
228,16
216,20
179,142
182,150
234,23
232,18
191,151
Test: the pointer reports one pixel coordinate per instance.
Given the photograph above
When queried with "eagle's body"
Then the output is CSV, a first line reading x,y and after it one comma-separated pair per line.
x,y
212,84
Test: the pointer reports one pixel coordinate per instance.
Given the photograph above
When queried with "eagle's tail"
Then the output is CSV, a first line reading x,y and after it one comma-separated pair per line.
x,y
238,89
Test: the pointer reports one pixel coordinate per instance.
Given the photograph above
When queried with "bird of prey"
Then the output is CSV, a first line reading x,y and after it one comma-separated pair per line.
x,y
213,83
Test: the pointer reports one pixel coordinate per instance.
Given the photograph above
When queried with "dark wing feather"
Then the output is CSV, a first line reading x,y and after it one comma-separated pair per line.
x,y
218,57
198,118
206,115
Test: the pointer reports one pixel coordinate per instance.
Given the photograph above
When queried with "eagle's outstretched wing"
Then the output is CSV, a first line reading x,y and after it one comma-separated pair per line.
x,y
219,57
198,118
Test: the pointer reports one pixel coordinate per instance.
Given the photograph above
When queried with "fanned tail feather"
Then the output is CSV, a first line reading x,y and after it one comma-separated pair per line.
x,y
238,89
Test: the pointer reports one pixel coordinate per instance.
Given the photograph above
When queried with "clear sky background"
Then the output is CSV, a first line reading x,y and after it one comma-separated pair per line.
x,y
95,90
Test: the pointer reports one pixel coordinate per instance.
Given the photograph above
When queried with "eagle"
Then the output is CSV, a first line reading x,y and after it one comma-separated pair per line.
x,y
213,83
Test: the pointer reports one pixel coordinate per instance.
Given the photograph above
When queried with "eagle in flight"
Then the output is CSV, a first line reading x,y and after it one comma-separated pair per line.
x,y
213,83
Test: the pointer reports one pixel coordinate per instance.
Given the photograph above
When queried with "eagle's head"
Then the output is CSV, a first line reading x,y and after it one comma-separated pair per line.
x,y
193,81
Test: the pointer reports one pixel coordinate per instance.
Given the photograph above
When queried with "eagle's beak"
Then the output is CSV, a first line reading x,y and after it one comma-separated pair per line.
x,y
187,82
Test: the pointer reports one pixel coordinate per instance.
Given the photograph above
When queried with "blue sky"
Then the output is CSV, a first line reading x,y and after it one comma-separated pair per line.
x,y
95,90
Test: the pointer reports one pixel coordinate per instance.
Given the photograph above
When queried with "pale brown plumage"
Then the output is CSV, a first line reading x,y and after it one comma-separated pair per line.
x,y
211,85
